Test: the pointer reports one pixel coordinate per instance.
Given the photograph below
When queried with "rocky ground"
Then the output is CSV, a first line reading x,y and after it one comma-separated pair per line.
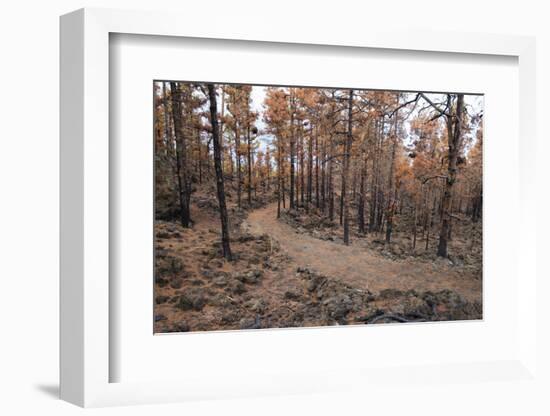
x,y
271,285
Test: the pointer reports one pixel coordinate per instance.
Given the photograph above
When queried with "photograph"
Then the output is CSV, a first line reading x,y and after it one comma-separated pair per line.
x,y
283,206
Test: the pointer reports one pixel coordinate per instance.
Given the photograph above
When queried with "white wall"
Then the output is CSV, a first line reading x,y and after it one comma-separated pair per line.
x,y
29,183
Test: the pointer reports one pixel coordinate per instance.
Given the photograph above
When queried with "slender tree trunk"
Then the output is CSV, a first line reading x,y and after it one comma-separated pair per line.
x,y
222,120
283,189
342,191
323,175
219,172
375,203
292,153
200,155
238,163
181,157
361,205
317,191
346,168
168,137
415,220
279,177
391,201
310,170
331,181
249,162
362,194
454,133
302,169
429,212
373,197
230,154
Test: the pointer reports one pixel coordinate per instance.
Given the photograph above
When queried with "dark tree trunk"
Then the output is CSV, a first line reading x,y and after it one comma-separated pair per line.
x,y
249,163
391,201
342,191
331,181
454,133
200,155
238,163
168,137
317,191
310,170
181,157
219,172
292,154
415,220
362,196
373,198
346,169
222,111
375,202
323,175
280,175
477,206
302,169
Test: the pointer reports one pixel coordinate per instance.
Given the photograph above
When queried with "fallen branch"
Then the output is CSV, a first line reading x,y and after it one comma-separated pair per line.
x,y
388,316
397,318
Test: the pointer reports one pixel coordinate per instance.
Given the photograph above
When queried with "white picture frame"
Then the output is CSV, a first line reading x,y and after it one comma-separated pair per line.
x,y
85,266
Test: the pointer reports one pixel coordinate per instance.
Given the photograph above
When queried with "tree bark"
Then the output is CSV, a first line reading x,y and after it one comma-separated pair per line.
x,y
302,168
347,157
362,194
391,202
317,191
280,189
219,172
222,121
454,137
310,169
292,153
331,181
181,156
249,163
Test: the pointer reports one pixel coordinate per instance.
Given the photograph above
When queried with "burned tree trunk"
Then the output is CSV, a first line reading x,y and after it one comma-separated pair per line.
x,y
323,175
302,169
391,200
317,191
279,179
184,190
219,172
292,154
238,164
454,138
249,164
362,195
331,181
346,169
310,170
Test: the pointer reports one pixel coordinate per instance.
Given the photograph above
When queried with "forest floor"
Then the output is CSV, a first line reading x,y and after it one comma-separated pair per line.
x,y
363,267
282,276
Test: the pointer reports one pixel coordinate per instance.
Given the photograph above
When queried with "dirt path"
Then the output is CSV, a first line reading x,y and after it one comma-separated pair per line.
x,y
360,267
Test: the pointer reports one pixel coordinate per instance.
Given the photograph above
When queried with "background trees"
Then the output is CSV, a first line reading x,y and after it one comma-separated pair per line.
x,y
375,162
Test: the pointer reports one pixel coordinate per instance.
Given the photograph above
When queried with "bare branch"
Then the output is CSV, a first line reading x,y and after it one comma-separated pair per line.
x,y
435,106
395,110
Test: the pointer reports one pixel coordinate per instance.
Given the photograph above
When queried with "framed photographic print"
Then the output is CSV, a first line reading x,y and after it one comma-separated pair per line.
x,y
281,207
282,213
